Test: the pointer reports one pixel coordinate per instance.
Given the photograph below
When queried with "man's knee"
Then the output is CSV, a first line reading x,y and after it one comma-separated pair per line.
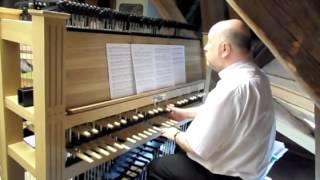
x,y
153,170
152,166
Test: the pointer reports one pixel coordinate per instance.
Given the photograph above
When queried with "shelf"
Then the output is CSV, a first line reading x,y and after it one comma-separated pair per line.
x,y
24,112
16,30
293,129
24,155
168,92
302,139
85,114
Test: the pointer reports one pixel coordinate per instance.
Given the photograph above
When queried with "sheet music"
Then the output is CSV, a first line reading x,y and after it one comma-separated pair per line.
x,y
162,57
142,57
144,67
121,78
179,65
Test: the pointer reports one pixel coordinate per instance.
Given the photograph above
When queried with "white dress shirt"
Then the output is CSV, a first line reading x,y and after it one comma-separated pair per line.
x,y
234,130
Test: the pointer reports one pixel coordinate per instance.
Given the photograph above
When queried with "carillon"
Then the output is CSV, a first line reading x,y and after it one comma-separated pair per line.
x,y
96,86
86,91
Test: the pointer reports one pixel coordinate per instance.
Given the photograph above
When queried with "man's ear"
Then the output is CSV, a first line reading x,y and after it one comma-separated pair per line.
x,y
226,50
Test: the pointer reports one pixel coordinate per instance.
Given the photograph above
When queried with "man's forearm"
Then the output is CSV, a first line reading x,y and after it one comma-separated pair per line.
x,y
191,112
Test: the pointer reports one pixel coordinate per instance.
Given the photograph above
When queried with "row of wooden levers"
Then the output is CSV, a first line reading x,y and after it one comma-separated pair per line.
x,y
85,16
135,133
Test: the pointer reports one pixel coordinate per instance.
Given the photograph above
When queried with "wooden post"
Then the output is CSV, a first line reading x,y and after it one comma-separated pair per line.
x,y
11,134
49,104
317,139
10,123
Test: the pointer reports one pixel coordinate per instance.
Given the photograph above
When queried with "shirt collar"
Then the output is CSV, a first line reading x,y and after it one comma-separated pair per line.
x,y
230,70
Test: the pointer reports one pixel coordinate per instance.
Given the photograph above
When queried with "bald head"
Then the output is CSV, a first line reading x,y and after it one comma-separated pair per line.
x,y
228,42
234,31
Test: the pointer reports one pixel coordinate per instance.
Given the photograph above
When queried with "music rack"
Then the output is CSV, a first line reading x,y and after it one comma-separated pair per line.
x,y
70,90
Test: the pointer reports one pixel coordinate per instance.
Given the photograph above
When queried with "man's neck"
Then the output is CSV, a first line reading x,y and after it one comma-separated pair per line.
x,y
240,57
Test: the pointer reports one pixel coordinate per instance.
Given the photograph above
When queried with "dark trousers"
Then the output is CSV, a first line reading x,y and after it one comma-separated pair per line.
x,y
180,167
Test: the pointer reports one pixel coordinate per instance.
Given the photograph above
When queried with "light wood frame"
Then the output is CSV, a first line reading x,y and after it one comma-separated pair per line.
x,y
53,54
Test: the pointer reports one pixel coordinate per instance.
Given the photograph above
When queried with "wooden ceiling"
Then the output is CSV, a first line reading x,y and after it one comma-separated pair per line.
x,y
291,30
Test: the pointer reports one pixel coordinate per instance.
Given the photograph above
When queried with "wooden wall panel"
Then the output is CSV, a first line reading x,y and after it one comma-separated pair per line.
x,y
291,30
212,11
86,64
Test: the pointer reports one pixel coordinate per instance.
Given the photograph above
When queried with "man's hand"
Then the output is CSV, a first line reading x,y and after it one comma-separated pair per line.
x,y
177,114
169,132
180,138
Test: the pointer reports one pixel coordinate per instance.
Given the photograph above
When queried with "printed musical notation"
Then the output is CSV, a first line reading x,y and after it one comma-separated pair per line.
x,y
137,68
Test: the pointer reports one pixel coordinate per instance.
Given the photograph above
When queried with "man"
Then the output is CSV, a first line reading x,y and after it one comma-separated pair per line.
x,y
232,134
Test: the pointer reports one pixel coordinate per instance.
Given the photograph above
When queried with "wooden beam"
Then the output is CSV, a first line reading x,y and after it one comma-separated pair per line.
x,y
11,102
24,154
10,123
168,9
8,13
212,11
16,31
317,137
290,30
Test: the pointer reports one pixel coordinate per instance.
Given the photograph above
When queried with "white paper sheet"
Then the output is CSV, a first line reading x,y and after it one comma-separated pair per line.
x,y
120,68
144,70
179,64
162,57
144,67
